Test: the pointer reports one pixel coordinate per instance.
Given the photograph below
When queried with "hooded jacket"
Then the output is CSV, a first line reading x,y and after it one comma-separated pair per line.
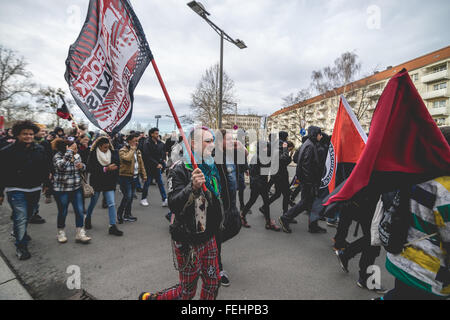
x,y
308,167
283,157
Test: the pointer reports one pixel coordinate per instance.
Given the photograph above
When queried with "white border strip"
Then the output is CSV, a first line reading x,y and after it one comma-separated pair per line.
x,y
354,119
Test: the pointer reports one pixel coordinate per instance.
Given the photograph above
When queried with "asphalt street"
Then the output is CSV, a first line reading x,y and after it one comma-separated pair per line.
x,y
263,265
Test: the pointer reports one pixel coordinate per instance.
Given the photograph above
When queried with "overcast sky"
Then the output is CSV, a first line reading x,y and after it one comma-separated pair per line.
x,y
286,39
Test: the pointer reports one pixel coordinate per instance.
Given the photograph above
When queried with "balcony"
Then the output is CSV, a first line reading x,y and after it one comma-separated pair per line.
x,y
436,76
375,94
442,93
443,111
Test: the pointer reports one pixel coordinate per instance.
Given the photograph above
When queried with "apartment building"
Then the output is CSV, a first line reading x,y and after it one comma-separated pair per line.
x,y
430,74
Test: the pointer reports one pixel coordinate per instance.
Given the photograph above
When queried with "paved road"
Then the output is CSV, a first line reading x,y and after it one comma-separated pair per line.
x,y
262,264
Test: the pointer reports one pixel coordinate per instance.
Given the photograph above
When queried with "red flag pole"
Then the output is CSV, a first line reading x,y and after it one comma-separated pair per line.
x,y
175,117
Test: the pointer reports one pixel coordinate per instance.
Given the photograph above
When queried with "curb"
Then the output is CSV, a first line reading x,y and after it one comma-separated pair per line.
x,y
12,286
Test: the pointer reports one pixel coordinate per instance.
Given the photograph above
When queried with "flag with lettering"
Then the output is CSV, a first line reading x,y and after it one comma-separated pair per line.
x,y
106,63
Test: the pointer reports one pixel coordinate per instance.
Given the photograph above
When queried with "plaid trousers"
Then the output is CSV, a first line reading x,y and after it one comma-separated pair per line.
x,y
205,265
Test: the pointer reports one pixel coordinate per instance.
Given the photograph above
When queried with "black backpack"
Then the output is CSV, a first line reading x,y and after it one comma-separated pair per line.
x,y
396,220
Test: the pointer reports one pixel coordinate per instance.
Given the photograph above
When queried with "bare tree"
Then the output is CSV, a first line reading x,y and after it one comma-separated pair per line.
x,y
14,82
49,100
344,70
205,99
302,95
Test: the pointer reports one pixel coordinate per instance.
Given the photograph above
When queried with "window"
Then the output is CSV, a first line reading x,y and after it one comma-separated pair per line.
x,y
440,121
439,104
440,86
415,77
440,68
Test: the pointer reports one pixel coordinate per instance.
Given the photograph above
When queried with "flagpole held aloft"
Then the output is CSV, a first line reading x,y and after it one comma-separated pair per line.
x,y
175,117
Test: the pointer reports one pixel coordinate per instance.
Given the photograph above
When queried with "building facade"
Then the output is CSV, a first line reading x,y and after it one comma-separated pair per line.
x,y
244,122
430,74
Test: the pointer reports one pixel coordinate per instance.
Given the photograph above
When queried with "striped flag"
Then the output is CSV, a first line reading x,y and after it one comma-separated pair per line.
x,y
106,63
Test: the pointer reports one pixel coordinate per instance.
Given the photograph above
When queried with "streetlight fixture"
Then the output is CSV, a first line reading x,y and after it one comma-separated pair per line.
x,y
198,8
157,121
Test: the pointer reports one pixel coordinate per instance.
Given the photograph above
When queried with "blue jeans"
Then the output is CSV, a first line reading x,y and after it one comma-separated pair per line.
x,y
109,197
158,176
128,187
63,199
23,204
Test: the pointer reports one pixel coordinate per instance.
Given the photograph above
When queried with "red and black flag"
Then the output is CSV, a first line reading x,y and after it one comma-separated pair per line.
x,y
347,143
404,147
63,111
106,63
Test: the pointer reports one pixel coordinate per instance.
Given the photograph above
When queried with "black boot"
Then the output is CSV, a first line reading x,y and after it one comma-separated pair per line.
x,y
114,231
314,228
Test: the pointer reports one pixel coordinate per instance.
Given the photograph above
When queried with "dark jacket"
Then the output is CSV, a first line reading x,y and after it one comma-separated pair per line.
x,y
257,179
229,185
309,171
100,180
181,198
23,167
283,156
153,154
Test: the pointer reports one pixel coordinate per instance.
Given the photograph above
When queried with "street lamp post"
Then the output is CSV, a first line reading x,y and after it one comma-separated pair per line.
x,y
157,121
198,8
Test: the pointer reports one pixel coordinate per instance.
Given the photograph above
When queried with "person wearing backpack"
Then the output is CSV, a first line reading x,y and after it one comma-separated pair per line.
x,y
422,269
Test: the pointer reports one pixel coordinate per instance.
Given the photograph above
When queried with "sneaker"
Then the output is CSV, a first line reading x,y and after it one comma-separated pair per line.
x,y
144,203
244,222
81,236
148,296
362,284
332,224
165,204
169,216
284,225
224,279
22,253
87,223
272,226
61,236
343,261
36,219
130,218
114,231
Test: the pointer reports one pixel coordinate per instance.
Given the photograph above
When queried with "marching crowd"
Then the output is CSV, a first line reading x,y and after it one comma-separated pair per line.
x,y
203,201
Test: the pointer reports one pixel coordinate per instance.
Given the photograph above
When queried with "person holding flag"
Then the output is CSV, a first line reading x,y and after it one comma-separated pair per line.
x,y
406,151
198,217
